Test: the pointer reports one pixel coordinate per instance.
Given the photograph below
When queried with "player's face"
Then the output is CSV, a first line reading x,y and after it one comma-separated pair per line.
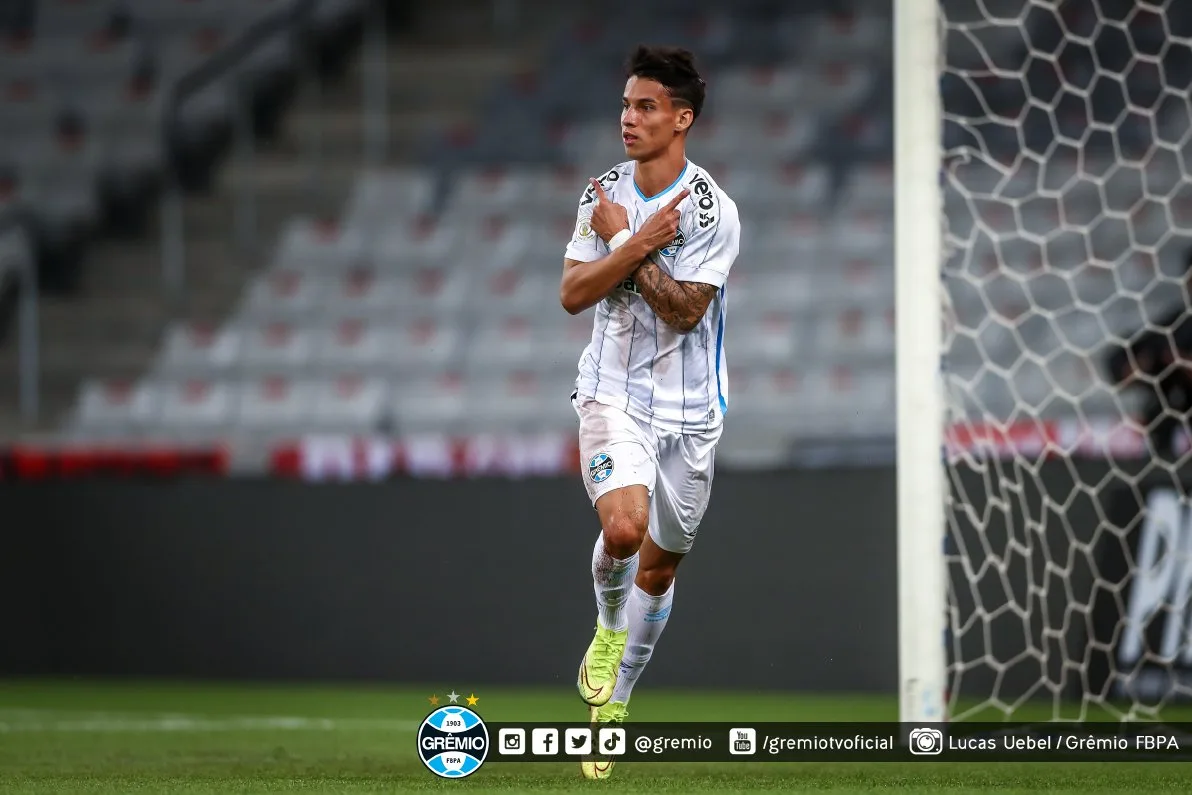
x,y
650,121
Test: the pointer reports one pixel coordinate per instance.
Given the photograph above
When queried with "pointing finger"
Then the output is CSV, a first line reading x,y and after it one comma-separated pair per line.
x,y
599,189
680,196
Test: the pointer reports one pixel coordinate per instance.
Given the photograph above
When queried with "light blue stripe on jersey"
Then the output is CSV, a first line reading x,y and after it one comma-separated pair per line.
x,y
719,348
664,190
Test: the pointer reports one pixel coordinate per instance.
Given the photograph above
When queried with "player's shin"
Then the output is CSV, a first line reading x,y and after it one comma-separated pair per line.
x,y
647,618
612,579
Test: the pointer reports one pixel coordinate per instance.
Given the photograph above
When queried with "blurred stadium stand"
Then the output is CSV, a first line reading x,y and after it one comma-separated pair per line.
x,y
422,296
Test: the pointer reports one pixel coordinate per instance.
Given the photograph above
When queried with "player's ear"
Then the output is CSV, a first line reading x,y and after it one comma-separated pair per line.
x,y
684,119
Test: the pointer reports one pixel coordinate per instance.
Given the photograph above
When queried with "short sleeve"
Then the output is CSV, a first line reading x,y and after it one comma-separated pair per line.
x,y
712,247
585,245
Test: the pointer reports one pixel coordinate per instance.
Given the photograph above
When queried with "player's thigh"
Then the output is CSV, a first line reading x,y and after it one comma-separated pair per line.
x,y
625,511
614,454
686,465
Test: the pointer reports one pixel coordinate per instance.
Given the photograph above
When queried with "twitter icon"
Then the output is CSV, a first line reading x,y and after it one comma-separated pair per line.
x,y
578,741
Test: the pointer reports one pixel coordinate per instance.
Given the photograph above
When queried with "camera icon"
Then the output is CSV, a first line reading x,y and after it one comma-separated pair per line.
x,y
926,742
512,741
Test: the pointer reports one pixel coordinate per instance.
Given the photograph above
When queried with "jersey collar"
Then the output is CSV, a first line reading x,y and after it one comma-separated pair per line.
x,y
665,190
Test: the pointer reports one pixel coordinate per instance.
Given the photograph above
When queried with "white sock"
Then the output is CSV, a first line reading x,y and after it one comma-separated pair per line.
x,y
612,578
647,619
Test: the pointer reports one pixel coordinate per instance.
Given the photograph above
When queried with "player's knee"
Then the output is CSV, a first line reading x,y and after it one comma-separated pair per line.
x,y
656,578
624,533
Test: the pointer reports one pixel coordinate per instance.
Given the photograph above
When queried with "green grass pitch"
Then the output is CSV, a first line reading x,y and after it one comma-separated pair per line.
x,y
138,737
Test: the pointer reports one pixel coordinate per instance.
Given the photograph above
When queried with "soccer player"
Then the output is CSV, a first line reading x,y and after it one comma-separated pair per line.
x,y
653,244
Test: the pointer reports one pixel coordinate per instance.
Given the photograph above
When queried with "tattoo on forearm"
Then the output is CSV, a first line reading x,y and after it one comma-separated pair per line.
x,y
678,304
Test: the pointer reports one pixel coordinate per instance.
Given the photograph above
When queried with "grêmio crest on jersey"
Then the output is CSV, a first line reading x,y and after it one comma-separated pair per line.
x,y
669,250
672,248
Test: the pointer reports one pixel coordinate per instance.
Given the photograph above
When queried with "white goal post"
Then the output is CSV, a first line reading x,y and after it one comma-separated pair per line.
x,y
918,355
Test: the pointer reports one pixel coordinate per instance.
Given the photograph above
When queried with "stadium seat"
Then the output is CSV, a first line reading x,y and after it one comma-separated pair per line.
x,y
869,187
795,185
353,345
273,403
350,403
416,242
321,246
561,343
856,279
381,198
871,401
847,34
444,291
73,17
117,406
478,192
862,233
782,136
516,291
199,349
771,339
79,64
277,347
753,295
557,189
283,293
491,241
196,405
856,332
518,402
426,344
503,344
432,404
767,397
748,89
723,138
785,244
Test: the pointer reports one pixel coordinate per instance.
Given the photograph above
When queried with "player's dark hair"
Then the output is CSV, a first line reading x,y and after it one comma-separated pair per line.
x,y
672,67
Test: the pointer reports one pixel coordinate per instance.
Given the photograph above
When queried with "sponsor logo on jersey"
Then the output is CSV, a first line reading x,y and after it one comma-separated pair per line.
x,y
629,285
705,201
605,181
600,468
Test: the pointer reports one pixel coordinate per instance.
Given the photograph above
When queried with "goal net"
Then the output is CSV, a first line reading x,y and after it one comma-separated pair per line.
x,y
1063,185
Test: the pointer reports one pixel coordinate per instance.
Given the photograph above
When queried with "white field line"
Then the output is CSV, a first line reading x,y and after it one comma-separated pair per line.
x,y
63,721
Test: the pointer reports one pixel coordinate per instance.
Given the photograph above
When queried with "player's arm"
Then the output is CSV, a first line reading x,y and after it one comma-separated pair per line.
x,y
587,282
681,305
681,298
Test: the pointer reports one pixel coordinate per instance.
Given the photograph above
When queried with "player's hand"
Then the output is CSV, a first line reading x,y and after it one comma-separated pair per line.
x,y
608,217
660,228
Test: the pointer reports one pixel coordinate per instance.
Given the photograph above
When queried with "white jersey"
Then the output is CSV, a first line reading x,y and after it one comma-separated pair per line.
x,y
635,361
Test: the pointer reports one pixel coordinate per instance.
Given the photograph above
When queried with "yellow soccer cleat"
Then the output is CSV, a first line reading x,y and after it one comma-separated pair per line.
x,y
598,669
614,712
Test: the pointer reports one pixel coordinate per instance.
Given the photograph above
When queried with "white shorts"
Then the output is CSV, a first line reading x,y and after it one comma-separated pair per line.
x,y
617,450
